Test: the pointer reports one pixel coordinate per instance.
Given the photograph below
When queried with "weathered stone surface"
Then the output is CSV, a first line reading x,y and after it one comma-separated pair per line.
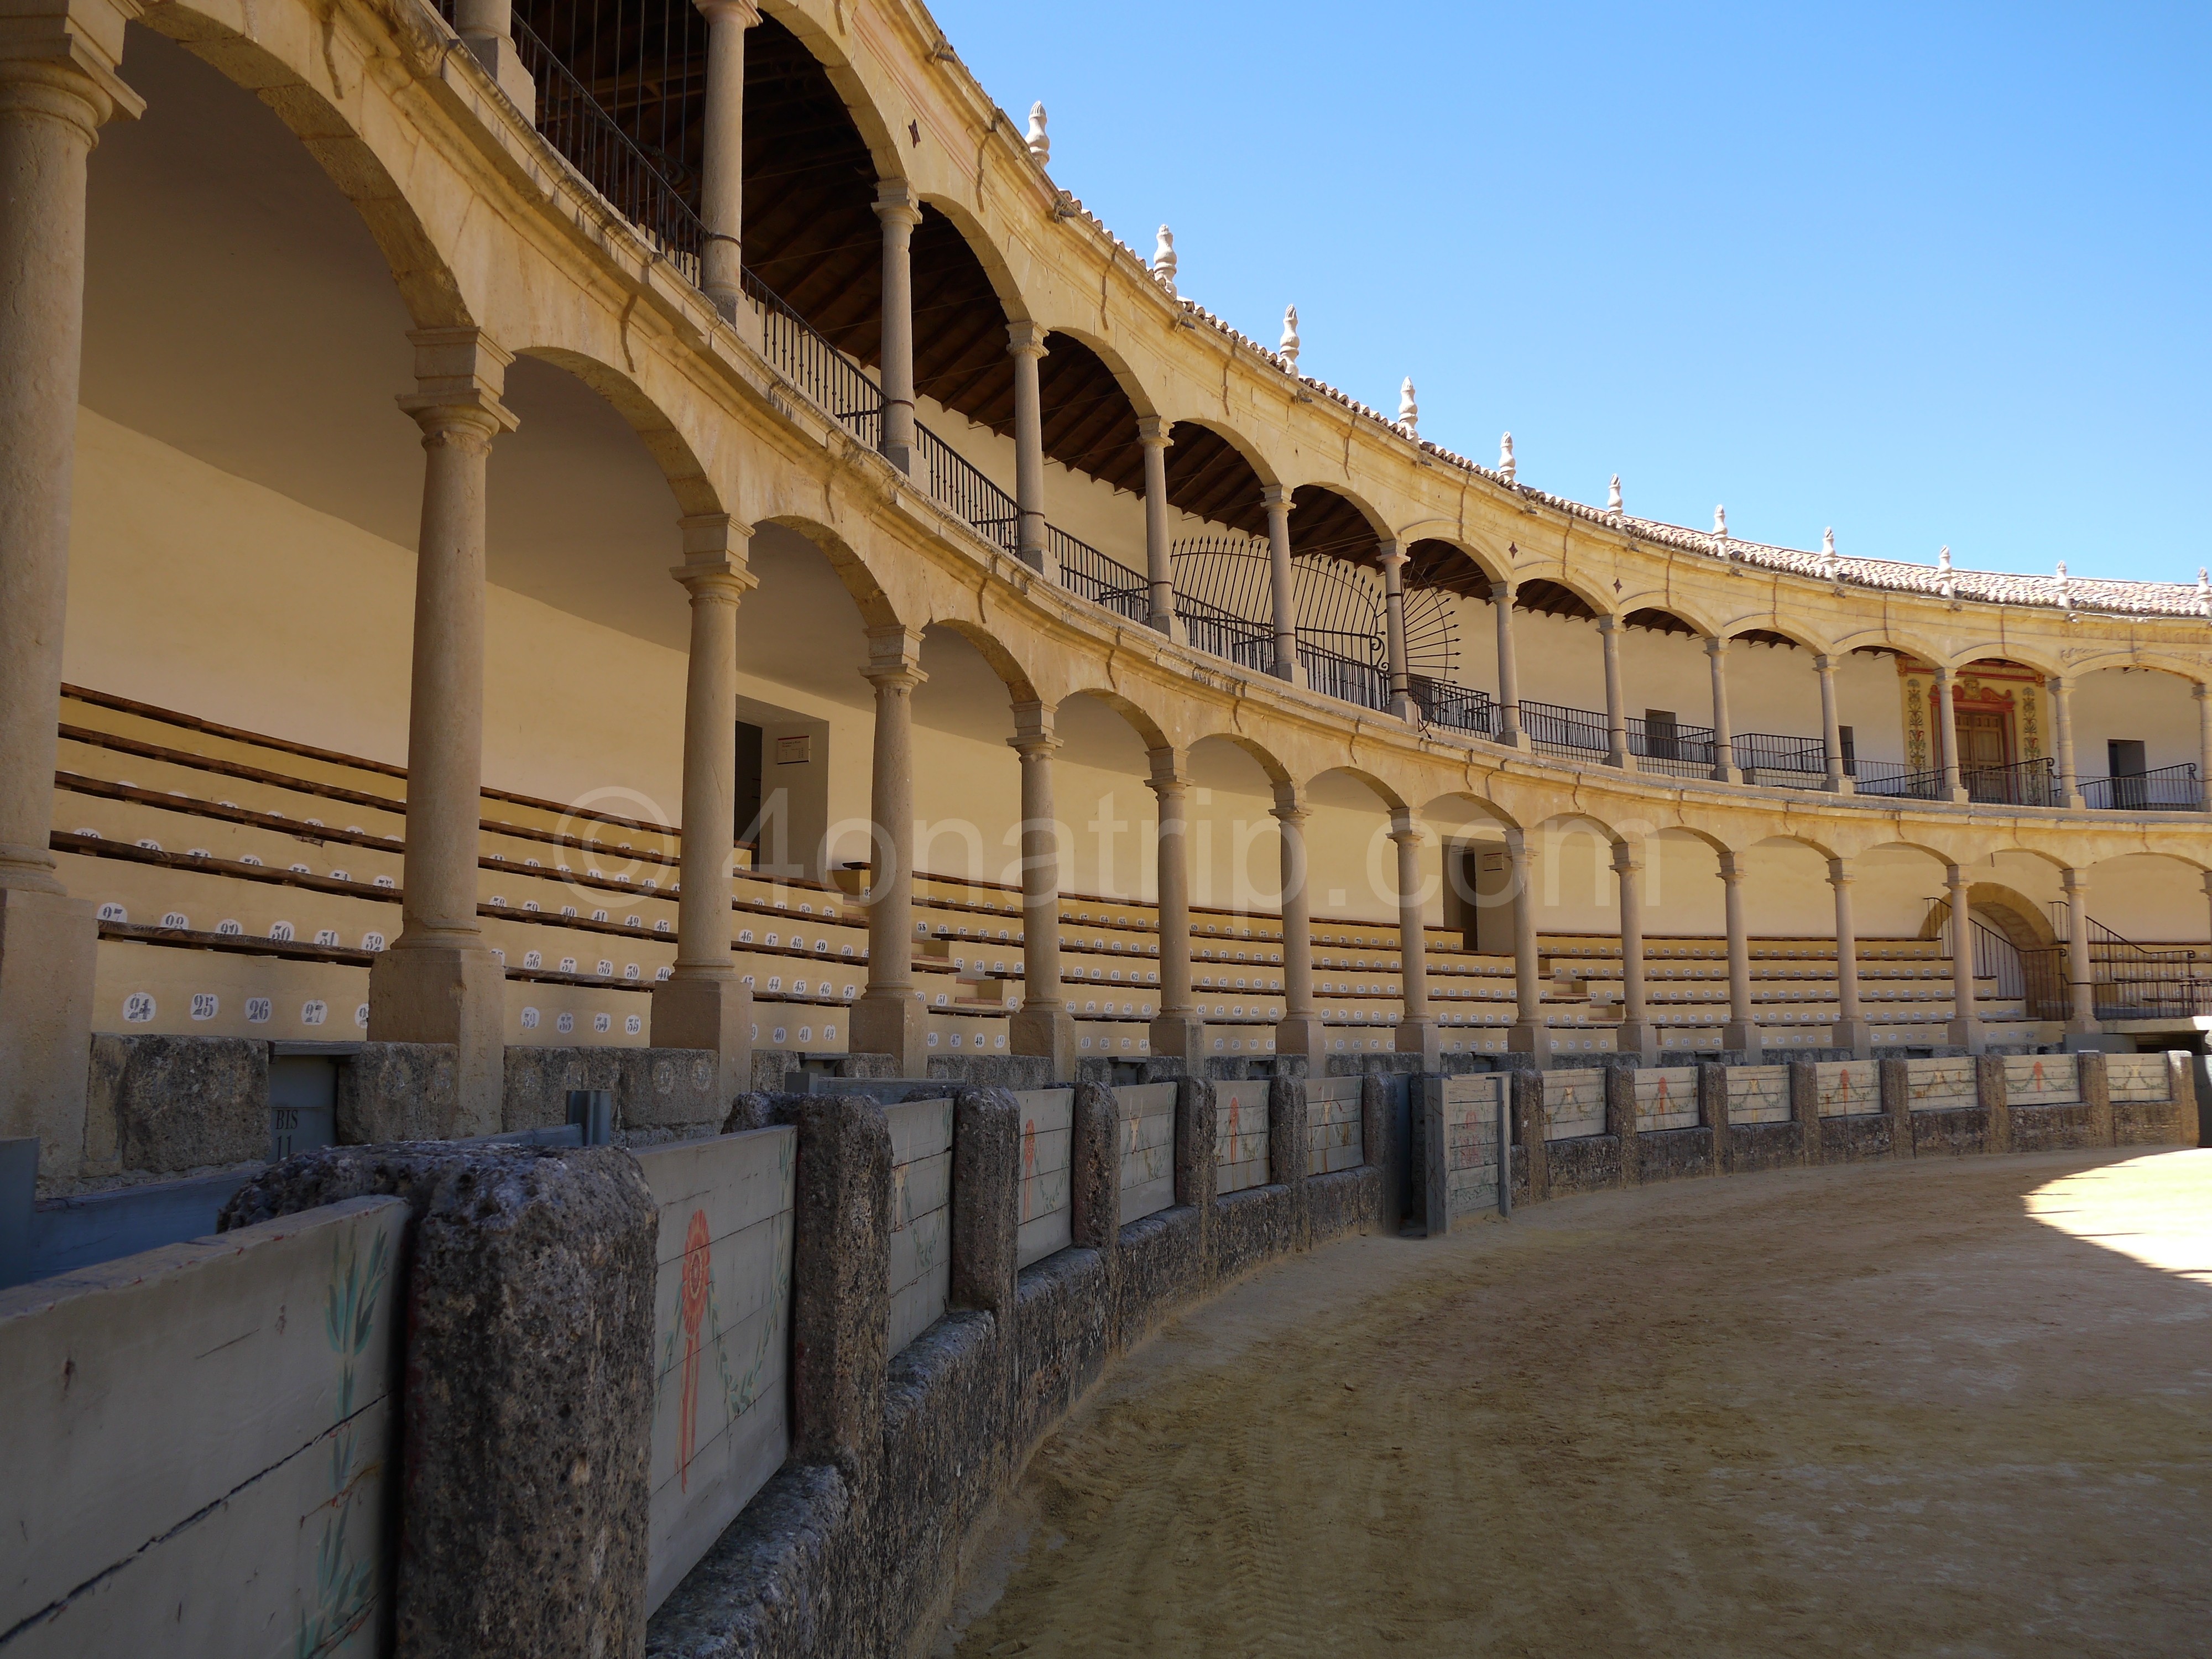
x,y
777,1582
1804,1106
2096,1090
1713,1114
1588,1163
1756,1147
986,1140
1250,1227
393,1091
1063,1320
529,1388
1957,1131
1342,1204
1861,1136
1525,1089
1161,1263
1384,1150
1674,1154
2053,1128
1995,1099
2154,1123
1194,1172
653,1088
1895,1082
1289,1152
166,1103
1620,1123
994,1071
1094,1168
946,1453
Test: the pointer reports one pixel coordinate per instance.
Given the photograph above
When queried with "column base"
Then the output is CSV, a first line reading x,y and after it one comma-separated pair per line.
x,y
894,1023
1047,1030
1958,797
1404,709
448,993
1728,774
1422,1037
2084,1027
1517,741
714,1012
1842,786
1739,1037
1302,1034
1620,758
1637,1038
899,455
1966,1034
1855,1035
1528,1037
1182,1035
49,943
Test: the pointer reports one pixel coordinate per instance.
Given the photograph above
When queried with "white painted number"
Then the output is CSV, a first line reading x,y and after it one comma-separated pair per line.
x,y
632,1024
137,1007
529,1020
205,1005
257,1011
566,1022
314,1013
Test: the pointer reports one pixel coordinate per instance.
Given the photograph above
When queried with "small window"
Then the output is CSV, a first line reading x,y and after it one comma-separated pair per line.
x,y
1844,736
2124,756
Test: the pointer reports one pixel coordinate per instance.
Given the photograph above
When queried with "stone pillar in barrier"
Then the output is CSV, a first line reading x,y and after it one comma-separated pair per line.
x,y
1713,1113
986,1139
1805,1106
1897,1100
1620,1121
1290,1149
2097,1095
1379,1149
841,1268
2189,1082
1094,1170
1525,1089
529,1396
1194,1149
1995,1102
1434,1163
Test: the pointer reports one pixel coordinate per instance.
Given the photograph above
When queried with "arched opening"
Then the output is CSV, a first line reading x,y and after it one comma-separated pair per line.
x,y
2137,741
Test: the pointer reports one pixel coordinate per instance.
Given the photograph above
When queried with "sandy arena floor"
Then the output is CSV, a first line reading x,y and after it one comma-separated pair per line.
x,y
1954,1406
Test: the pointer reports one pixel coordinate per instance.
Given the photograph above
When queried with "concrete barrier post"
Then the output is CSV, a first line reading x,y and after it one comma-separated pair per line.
x,y
1995,1102
1896,1086
1435,1194
2096,1090
987,1138
1094,1170
840,1285
529,1395
1713,1113
1193,1145
1379,1148
1526,1089
1805,1106
1289,1150
2192,1088
1620,1121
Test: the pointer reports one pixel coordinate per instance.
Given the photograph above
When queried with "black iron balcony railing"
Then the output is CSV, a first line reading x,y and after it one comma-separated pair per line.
x,y
1551,726
1791,759
953,481
2141,981
1456,707
1670,749
2023,783
796,350
1335,675
1221,633
1084,570
2163,789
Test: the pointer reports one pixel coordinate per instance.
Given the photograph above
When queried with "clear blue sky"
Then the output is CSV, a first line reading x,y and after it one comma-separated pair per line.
x,y
1926,274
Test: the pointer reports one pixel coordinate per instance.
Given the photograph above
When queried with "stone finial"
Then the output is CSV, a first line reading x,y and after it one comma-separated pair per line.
x,y
2062,590
1409,412
1613,498
1163,260
2204,593
1830,565
1506,466
1946,582
1720,523
1290,345
1040,141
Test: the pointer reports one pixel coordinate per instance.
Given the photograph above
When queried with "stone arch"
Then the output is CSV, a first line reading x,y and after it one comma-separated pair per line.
x,y
858,581
878,133
298,97
1001,661
1117,364
1391,801
1277,772
1140,720
1444,561
697,493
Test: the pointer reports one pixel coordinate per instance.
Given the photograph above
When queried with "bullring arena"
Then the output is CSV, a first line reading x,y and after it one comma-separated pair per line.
x,y
749,903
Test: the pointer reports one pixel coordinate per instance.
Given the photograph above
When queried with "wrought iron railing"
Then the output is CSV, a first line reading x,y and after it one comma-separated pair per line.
x,y
1769,751
1457,707
2143,981
1873,777
2163,789
2023,783
610,161
1551,726
1095,576
800,352
2043,979
953,481
1335,675
1221,633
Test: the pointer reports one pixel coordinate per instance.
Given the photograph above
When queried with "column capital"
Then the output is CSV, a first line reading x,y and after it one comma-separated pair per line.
x,y
1502,590
1954,876
712,568
1404,829
896,203
1716,645
460,375
2200,690
1289,809
1276,495
1625,861
1152,432
1731,867
1033,738
894,658
744,12
1025,339
1168,770
1609,623
1390,552
2073,881
1823,663
1942,673
73,48
1841,873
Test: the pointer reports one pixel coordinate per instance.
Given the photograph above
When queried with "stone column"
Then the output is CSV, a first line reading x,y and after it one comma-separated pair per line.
x,y
1965,1029
487,28
1636,1036
889,1019
1392,557
58,87
1043,1024
1026,347
721,151
2204,693
2081,977
896,207
1851,1029
1301,1031
440,982
703,1004
1528,1034
1741,1031
1283,599
1417,1027
1509,670
1831,728
1616,707
1724,767
2062,726
1159,567
1946,734
1177,1028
